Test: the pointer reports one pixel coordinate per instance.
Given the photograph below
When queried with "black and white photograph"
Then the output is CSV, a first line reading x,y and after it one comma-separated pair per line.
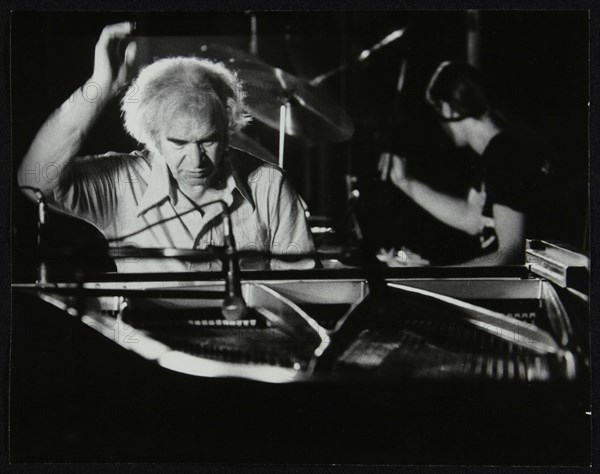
x,y
334,237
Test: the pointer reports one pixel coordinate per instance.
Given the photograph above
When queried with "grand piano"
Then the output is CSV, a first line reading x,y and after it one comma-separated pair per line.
x,y
426,365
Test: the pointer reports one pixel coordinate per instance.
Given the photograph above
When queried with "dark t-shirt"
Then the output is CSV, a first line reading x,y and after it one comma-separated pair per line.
x,y
516,172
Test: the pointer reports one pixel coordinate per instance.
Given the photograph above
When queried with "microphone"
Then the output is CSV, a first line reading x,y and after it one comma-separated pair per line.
x,y
234,306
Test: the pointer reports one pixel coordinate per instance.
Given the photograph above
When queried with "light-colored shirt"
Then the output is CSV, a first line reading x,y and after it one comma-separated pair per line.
x,y
133,199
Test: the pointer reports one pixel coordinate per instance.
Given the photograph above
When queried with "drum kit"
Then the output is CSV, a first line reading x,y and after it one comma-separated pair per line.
x,y
291,105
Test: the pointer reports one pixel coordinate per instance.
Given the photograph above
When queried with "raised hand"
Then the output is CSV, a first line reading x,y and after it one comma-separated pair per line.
x,y
112,61
393,167
61,137
477,199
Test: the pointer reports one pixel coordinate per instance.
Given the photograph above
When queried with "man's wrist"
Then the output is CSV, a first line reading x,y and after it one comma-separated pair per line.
x,y
405,185
96,90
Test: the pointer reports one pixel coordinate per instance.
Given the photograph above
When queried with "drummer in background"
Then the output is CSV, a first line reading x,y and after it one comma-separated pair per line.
x,y
183,110
500,209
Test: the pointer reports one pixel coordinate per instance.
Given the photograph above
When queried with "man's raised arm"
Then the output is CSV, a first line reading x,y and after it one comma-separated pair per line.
x,y
60,138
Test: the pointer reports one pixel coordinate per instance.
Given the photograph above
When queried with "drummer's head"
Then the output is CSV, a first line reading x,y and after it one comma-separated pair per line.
x,y
185,109
457,94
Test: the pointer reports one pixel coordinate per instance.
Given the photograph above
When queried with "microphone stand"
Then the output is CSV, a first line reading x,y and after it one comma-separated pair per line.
x,y
234,306
42,268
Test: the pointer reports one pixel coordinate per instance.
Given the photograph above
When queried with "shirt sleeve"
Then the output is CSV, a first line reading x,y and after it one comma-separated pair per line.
x,y
87,187
509,173
290,233
90,187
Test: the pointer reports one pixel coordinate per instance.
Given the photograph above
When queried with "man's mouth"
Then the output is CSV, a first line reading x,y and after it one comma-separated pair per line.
x,y
200,172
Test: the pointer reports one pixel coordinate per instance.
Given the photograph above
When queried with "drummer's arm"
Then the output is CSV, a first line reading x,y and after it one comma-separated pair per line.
x,y
462,214
453,211
510,230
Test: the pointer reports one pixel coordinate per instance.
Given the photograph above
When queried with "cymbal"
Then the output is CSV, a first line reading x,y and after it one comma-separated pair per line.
x,y
243,142
310,113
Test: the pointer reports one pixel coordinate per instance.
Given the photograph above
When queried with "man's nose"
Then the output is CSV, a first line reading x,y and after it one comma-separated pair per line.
x,y
196,154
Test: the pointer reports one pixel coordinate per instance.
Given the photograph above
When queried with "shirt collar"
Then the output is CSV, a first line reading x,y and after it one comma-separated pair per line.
x,y
237,179
159,185
161,188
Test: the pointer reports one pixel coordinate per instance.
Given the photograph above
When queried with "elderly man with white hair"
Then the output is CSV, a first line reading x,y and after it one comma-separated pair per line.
x,y
183,111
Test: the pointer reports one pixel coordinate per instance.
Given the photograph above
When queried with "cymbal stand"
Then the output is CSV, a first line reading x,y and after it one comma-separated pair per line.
x,y
283,123
361,57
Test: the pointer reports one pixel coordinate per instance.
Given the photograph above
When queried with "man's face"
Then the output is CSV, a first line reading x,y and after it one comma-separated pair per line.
x,y
193,145
454,131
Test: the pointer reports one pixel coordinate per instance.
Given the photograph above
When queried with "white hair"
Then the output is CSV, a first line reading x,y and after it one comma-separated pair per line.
x,y
172,84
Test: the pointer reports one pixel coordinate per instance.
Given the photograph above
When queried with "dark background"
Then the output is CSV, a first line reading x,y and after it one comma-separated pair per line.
x,y
536,63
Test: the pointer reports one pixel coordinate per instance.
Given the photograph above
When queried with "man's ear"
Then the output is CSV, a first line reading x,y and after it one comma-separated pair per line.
x,y
155,142
447,111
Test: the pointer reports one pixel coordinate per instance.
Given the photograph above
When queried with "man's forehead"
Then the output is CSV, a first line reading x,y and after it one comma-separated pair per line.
x,y
192,123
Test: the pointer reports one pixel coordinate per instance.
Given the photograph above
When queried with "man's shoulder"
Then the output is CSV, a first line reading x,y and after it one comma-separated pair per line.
x,y
136,156
517,141
252,169
136,161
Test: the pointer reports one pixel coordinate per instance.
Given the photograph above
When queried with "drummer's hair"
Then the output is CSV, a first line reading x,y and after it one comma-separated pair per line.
x,y
169,84
461,86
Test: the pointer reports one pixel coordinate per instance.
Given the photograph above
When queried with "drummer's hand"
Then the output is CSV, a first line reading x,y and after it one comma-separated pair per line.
x,y
112,62
477,199
393,167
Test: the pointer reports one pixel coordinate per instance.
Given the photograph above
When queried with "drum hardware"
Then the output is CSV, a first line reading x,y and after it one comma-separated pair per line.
x,y
310,113
325,227
253,46
352,200
361,57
